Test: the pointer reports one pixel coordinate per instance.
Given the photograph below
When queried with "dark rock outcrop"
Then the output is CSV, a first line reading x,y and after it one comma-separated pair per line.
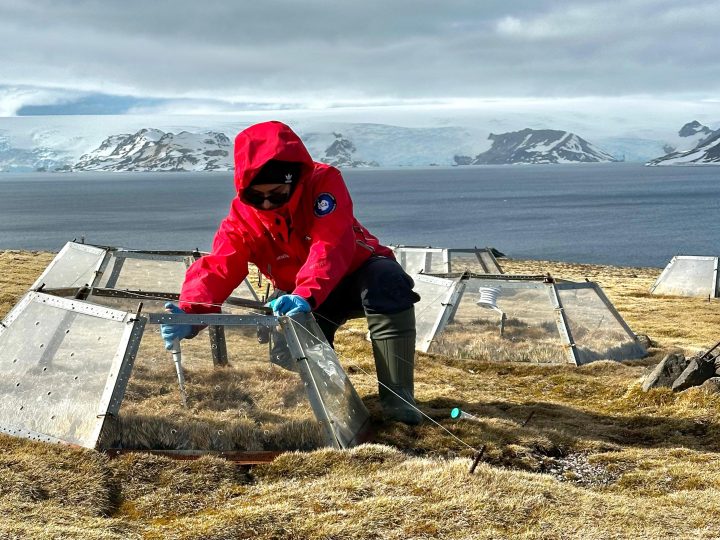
x,y
462,160
666,372
693,128
341,154
696,373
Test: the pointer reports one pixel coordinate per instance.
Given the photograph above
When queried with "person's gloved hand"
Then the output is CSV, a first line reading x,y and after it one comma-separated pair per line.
x,y
289,304
171,332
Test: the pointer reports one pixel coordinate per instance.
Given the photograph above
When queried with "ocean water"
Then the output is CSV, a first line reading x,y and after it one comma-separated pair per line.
x,y
621,214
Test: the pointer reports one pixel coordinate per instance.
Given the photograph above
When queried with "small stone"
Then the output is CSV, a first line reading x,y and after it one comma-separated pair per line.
x,y
645,340
666,372
712,385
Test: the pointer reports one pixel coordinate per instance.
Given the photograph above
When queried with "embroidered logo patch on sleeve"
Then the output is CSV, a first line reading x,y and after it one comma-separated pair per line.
x,y
324,204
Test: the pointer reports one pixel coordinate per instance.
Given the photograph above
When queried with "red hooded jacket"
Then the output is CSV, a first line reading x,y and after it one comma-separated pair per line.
x,y
305,247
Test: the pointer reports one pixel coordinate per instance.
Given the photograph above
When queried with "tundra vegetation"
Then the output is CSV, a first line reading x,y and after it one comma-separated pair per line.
x,y
569,452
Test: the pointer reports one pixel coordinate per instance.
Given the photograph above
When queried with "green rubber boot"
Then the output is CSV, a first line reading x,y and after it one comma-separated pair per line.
x,y
393,341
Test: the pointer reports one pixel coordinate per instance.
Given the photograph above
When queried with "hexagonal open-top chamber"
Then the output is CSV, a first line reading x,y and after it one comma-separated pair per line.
x,y
529,318
89,367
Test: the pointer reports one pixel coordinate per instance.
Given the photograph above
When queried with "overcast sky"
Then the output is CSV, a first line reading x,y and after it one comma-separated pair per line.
x,y
95,56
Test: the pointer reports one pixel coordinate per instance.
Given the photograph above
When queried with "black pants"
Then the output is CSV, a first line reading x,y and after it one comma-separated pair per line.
x,y
380,286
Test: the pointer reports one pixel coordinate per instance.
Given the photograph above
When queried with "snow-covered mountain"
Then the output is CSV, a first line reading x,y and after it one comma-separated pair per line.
x,y
538,146
687,138
56,142
71,137
706,152
155,150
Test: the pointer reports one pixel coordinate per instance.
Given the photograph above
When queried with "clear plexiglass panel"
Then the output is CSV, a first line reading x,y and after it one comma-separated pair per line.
x,y
252,404
442,260
477,261
688,276
490,262
245,291
414,261
59,366
596,329
128,303
264,399
155,273
438,262
528,332
347,413
436,297
74,266
144,273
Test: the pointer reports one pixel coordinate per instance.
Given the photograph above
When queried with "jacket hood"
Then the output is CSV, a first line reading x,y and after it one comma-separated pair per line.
x,y
262,142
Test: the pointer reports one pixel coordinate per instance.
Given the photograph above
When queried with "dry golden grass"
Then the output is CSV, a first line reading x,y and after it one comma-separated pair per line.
x,y
598,458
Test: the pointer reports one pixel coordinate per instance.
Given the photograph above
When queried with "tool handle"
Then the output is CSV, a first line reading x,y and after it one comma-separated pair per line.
x,y
177,358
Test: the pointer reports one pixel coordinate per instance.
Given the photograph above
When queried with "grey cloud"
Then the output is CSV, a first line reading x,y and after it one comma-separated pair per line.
x,y
285,50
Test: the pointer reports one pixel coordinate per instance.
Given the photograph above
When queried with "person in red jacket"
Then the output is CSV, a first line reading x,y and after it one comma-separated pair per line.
x,y
293,218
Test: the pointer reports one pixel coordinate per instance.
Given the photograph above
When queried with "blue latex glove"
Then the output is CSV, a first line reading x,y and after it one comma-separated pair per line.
x,y
171,332
289,304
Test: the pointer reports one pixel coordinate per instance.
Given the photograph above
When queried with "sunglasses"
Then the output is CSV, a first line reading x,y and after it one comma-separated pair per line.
x,y
255,198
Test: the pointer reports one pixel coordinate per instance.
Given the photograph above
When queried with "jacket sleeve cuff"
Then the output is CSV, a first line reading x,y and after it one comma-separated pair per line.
x,y
305,295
